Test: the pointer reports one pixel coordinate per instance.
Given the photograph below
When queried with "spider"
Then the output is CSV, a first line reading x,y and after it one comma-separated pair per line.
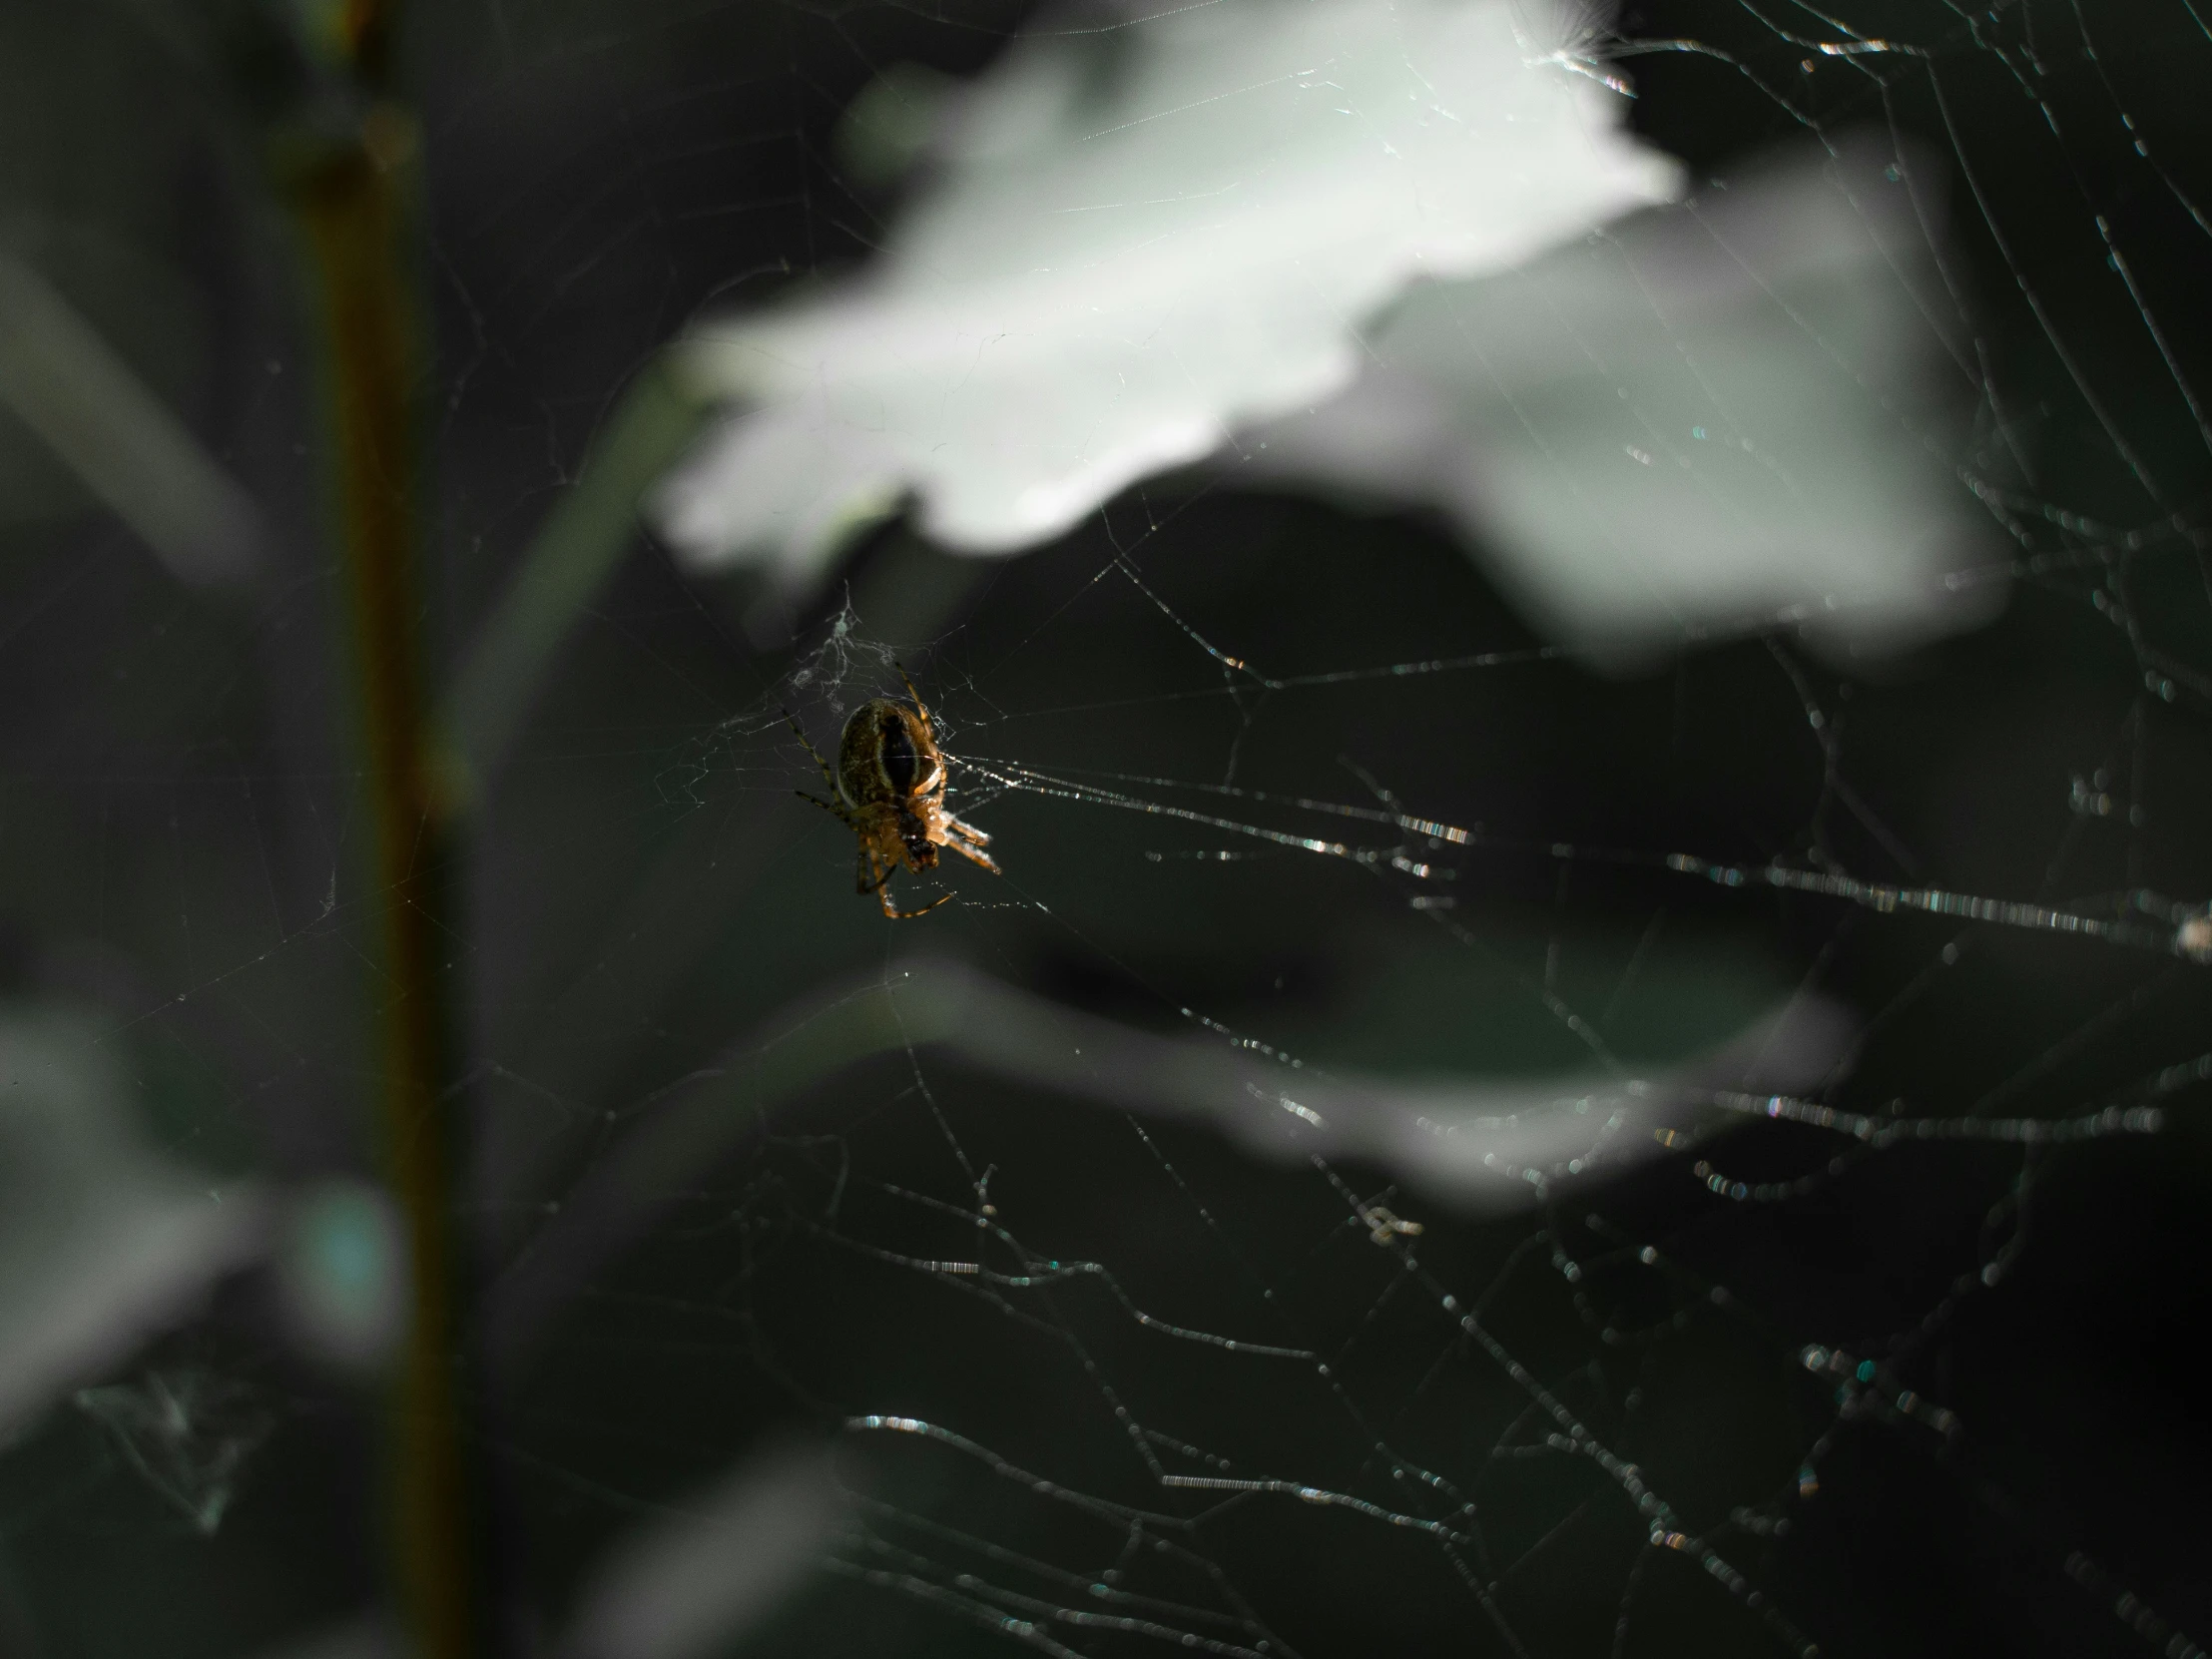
x,y
888,790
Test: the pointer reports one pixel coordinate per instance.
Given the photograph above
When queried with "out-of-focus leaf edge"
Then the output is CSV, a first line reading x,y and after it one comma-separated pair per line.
x,y
570,561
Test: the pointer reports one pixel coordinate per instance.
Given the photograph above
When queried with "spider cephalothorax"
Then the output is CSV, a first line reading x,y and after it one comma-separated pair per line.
x,y
890,791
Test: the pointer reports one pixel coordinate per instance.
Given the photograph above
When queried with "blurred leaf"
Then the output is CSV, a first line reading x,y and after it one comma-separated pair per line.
x,y
341,1272
1711,417
690,1583
78,395
1126,260
565,567
103,1241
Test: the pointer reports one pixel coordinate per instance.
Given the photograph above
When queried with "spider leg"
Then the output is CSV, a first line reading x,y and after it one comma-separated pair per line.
x,y
828,777
879,880
841,815
921,708
884,894
974,855
881,884
967,832
871,877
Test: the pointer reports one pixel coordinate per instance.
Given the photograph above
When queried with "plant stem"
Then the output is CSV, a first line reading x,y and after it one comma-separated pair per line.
x,y
355,219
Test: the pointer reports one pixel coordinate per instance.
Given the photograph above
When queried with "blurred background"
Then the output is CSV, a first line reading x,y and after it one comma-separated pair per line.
x,y
837,1284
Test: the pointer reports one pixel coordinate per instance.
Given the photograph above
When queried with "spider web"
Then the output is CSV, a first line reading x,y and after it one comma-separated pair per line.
x,y
1504,1398
1891,1360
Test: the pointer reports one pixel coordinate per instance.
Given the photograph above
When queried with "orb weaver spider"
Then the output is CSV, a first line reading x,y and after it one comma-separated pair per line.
x,y
888,790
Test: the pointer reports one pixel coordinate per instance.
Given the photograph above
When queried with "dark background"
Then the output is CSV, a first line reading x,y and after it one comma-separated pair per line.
x,y
177,798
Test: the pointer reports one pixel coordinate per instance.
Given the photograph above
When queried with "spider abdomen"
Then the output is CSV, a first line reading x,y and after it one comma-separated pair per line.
x,y
896,754
886,757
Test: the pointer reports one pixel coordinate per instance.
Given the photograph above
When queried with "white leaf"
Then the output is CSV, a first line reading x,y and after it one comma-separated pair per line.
x,y
1144,239
1712,418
